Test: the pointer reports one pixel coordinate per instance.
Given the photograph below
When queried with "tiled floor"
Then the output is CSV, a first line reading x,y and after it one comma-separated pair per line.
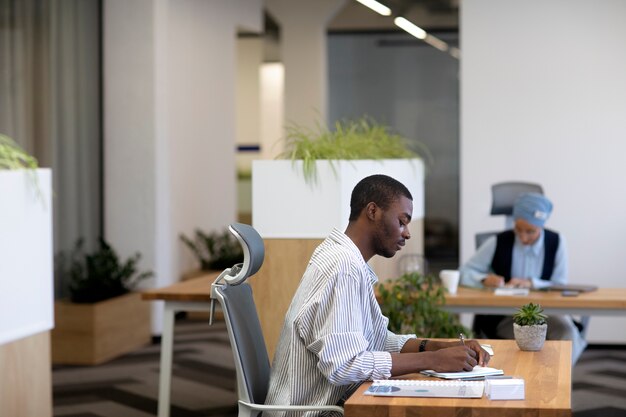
x,y
204,380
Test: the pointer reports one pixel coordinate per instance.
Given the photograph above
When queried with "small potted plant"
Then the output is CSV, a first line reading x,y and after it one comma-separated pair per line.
x,y
530,327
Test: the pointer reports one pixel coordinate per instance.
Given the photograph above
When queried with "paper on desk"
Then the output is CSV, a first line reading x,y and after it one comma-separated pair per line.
x,y
477,372
488,348
511,291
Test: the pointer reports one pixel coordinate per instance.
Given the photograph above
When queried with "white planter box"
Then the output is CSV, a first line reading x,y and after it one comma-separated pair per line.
x,y
284,206
26,277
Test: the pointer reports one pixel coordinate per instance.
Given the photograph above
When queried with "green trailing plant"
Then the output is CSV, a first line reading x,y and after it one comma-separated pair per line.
x,y
529,315
363,138
14,157
413,305
101,275
215,250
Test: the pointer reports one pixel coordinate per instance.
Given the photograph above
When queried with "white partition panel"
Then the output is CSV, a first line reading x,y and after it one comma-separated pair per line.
x,y
26,277
285,206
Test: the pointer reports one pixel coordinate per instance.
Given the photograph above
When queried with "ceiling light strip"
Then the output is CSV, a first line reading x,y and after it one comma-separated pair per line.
x,y
376,6
412,28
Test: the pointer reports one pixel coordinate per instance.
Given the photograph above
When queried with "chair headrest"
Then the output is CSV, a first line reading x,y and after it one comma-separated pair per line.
x,y
253,253
504,194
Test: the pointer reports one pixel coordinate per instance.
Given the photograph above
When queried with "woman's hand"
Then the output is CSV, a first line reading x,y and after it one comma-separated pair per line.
x,y
493,281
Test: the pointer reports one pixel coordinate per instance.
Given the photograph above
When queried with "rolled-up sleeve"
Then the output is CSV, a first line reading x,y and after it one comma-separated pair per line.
x,y
395,342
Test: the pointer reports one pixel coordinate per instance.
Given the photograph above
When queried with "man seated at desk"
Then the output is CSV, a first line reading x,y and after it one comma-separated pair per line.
x,y
529,256
335,336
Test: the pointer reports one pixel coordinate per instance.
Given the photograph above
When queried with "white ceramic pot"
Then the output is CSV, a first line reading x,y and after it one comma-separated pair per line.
x,y
530,338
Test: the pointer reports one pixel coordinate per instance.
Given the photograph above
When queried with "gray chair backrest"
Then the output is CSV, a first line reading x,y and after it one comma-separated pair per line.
x,y
246,336
244,329
504,194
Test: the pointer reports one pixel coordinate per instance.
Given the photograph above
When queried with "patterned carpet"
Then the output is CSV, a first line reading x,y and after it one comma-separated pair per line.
x,y
203,382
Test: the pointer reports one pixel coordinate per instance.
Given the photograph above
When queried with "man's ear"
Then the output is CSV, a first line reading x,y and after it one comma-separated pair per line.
x,y
370,210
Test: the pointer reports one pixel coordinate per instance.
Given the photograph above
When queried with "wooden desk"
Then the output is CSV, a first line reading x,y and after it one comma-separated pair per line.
x,y
547,375
191,295
604,301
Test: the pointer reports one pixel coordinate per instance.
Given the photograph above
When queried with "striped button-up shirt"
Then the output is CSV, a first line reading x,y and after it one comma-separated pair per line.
x,y
334,336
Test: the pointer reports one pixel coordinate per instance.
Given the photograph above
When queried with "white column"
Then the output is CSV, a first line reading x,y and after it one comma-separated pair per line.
x,y
169,123
303,52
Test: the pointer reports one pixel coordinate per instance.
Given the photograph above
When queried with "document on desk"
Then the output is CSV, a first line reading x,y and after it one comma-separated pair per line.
x,y
511,291
477,372
426,388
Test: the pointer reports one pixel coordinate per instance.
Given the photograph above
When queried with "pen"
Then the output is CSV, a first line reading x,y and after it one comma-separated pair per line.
x,y
462,338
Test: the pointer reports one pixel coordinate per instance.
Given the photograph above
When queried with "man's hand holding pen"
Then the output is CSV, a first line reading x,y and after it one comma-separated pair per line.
x,y
455,356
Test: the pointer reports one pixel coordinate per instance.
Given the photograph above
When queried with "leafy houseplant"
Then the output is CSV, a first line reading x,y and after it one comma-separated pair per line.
x,y
104,318
413,305
101,275
215,250
530,327
363,138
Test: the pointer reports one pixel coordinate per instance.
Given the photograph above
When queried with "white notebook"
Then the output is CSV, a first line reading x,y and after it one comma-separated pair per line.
x,y
426,388
477,372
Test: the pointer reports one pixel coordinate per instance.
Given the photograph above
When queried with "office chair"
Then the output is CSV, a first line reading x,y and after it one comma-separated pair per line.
x,y
252,364
503,196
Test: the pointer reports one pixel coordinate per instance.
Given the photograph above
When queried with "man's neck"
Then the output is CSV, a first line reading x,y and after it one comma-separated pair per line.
x,y
361,240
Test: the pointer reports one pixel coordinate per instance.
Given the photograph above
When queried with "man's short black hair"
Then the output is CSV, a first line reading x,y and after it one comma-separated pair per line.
x,y
380,189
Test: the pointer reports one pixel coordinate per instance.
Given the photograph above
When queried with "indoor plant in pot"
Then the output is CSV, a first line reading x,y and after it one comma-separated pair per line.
x,y
103,317
530,327
323,165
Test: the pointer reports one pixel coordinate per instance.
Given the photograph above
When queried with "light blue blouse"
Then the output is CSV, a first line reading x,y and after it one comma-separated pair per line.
x,y
527,262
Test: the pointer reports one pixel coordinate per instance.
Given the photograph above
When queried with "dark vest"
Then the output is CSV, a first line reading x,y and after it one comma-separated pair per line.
x,y
485,326
503,256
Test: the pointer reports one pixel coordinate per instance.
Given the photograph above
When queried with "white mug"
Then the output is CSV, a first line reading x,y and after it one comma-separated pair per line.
x,y
450,279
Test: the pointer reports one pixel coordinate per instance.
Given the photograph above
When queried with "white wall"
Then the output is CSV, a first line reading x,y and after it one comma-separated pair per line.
x,y
543,99
169,123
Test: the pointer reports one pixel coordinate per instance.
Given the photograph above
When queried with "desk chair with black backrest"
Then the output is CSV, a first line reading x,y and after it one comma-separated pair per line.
x,y
252,364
